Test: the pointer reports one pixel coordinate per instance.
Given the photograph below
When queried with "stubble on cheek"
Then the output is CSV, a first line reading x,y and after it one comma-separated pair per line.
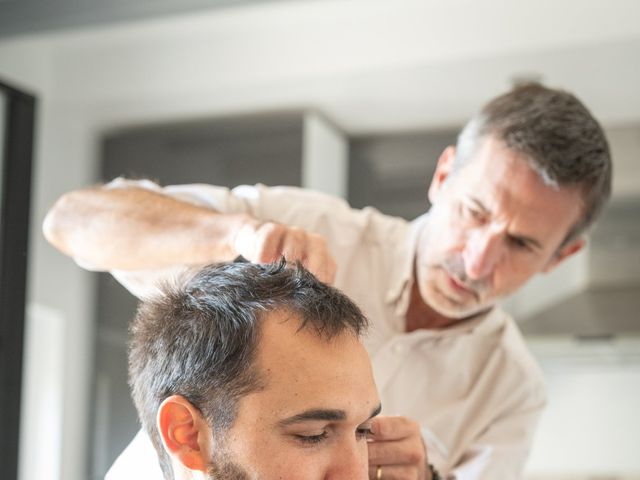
x,y
226,470
224,464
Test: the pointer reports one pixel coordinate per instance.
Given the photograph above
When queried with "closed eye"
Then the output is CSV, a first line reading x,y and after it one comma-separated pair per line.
x,y
476,214
364,433
311,439
519,243
472,211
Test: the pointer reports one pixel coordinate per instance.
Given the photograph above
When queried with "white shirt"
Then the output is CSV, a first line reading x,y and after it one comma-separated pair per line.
x,y
474,387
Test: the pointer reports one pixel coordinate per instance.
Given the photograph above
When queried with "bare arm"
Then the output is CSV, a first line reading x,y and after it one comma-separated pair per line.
x,y
135,229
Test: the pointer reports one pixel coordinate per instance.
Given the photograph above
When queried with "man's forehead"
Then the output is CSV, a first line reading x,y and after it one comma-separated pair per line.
x,y
504,183
302,370
298,351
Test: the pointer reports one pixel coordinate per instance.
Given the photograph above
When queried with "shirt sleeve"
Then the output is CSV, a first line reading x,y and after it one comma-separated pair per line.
x,y
289,205
340,225
143,283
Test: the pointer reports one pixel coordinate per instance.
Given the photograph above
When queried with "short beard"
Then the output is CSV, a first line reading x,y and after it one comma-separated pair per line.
x,y
226,470
223,464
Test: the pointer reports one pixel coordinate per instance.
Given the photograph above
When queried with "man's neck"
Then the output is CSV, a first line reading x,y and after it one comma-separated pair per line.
x,y
421,315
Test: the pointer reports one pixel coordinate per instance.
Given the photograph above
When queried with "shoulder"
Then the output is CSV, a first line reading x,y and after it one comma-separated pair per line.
x,y
322,213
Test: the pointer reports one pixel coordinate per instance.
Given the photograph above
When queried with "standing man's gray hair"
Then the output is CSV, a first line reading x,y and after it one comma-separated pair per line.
x,y
559,137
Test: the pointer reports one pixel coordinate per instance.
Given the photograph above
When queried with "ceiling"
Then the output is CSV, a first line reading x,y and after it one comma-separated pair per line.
x,y
368,65
19,17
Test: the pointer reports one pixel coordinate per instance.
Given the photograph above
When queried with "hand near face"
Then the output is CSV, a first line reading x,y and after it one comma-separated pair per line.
x,y
263,242
396,446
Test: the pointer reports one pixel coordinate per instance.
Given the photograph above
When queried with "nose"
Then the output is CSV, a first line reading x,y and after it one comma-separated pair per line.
x,y
351,461
482,253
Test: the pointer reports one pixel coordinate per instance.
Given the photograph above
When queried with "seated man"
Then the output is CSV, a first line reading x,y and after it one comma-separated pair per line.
x,y
253,371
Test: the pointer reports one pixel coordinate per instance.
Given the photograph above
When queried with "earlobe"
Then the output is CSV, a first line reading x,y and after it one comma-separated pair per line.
x,y
184,433
564,253
443,169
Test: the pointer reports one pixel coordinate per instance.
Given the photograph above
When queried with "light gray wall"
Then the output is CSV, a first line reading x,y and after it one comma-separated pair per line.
x,y
393,171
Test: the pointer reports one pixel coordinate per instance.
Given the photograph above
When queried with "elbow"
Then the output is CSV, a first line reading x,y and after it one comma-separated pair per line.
x,y
57,222
49,229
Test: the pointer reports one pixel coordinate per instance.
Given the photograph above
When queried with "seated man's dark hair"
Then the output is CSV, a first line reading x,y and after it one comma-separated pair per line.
x,y
198,339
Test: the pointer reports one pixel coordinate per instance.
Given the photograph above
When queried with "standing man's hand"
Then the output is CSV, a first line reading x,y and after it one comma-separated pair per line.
x,y
396,450
263,242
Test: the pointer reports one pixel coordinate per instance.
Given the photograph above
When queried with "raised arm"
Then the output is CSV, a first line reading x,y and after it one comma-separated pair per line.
x,y
135,229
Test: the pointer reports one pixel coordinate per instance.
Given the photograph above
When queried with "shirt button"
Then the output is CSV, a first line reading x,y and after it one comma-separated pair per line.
x,y
399,348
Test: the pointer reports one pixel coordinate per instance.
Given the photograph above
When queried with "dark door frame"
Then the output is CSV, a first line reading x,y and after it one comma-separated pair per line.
x,y
16,163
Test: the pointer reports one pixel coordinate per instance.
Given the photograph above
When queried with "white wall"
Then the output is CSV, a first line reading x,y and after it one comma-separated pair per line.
x,y
324,157
591,426
42,416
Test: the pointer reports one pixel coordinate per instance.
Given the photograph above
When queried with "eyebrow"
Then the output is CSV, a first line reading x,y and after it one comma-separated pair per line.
x,y
478,204
523,238
322,414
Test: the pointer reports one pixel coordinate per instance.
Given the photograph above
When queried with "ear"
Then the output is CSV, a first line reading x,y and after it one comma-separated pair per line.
x,y
443,169
564,253
185,433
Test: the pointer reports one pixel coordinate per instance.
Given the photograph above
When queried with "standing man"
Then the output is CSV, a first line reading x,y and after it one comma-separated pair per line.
x,y
515,196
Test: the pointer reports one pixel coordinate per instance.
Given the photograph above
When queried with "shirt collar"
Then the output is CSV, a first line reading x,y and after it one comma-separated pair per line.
x,y
400,285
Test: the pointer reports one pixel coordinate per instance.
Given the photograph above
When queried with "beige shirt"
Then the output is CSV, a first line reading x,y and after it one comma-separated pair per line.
x,y
475,388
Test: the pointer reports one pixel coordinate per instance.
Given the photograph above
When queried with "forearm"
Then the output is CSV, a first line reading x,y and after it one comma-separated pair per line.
x,y
135,228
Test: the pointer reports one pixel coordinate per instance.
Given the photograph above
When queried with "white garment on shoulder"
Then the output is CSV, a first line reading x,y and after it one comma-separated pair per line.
x,y
139,460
